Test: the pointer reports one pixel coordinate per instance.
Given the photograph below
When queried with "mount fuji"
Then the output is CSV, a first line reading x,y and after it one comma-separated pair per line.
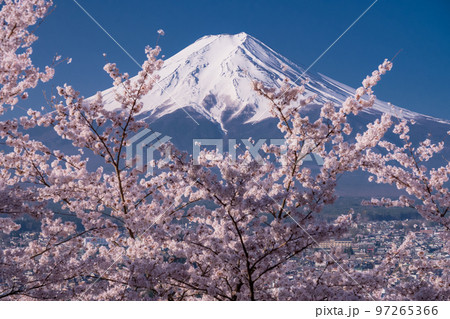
x,y
213,78
206,91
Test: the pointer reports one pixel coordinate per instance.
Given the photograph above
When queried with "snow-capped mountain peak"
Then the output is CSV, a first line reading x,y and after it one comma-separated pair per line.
x,y
213,78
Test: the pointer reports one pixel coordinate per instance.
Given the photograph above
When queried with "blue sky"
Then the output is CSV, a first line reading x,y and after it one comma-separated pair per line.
x,y
298,29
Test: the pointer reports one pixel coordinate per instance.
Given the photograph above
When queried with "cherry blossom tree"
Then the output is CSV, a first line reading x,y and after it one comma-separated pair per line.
x,y
218,229
18,74
426,190
405,167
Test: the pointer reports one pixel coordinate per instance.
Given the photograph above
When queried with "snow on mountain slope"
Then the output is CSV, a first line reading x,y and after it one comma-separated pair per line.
x,y
213,78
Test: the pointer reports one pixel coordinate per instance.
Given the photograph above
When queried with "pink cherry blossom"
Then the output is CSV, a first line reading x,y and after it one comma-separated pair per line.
x,y
221,230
